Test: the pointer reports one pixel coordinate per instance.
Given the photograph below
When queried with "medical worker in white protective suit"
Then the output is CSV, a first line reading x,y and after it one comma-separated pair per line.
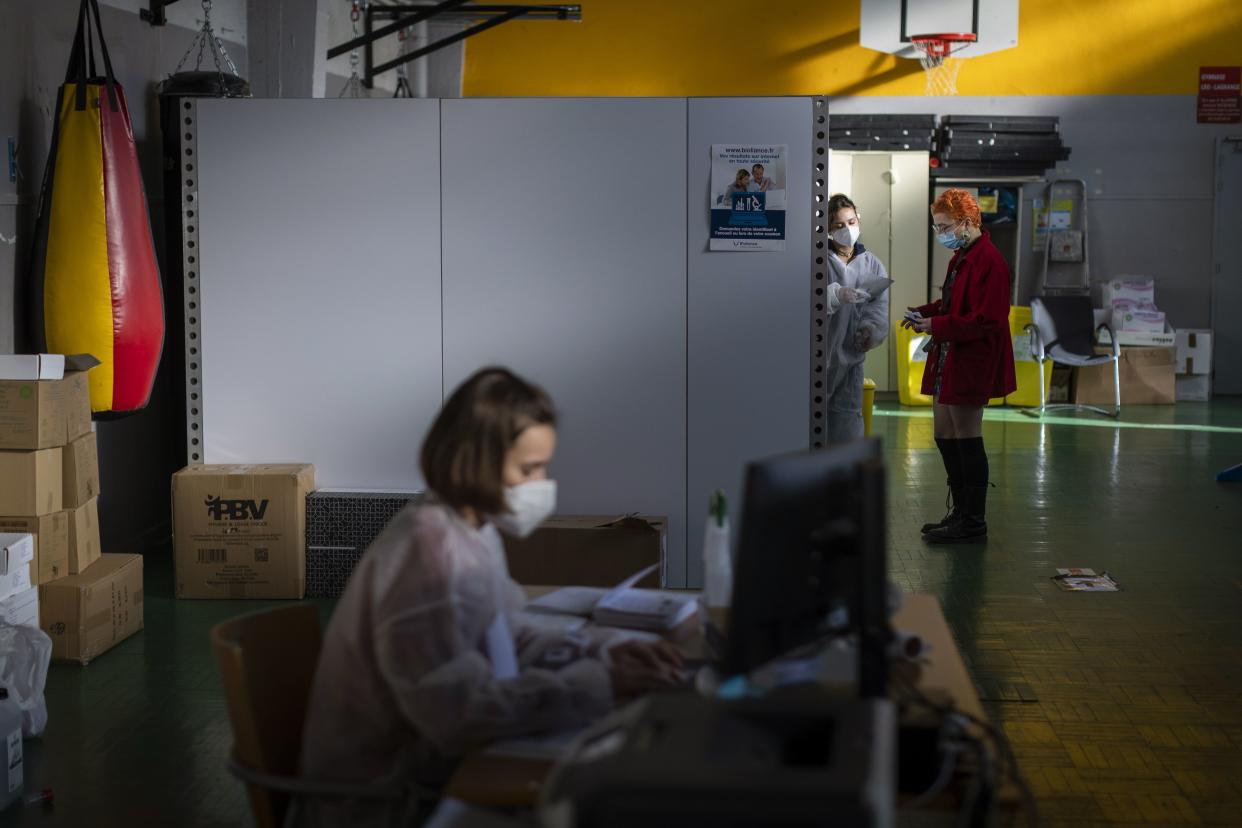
x,y
857,318
424,658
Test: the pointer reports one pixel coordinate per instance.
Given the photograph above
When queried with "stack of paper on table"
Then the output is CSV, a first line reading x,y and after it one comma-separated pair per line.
x,y
621,606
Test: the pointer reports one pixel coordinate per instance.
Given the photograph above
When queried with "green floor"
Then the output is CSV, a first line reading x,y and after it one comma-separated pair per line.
x,y
1123,708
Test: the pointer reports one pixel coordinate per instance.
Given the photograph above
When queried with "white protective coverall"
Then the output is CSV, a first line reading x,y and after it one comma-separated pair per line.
x,y
844,380
414,672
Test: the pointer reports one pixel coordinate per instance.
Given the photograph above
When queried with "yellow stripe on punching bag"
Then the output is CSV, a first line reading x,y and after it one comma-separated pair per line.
x,y
77,287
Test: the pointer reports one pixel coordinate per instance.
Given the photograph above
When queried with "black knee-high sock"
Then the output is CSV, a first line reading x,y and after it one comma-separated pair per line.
x,y
950,453
974,462
952,458
975,474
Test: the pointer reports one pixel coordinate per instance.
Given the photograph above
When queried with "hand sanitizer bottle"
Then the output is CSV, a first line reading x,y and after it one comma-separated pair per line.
x,y
717,564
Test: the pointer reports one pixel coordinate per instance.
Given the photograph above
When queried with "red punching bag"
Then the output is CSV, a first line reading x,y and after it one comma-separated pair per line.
x,y
95,281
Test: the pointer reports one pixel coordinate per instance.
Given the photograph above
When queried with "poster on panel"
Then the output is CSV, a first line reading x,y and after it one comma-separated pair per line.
x,y
748,197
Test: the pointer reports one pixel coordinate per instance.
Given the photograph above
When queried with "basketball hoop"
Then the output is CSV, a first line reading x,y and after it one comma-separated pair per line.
x,y
936,55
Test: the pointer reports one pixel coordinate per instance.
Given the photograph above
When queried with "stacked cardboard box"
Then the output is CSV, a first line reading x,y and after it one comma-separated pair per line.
x,y
239,531
49,490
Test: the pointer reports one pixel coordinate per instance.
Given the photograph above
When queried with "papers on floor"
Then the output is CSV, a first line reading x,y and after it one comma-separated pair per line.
x,y
1077,579
621,606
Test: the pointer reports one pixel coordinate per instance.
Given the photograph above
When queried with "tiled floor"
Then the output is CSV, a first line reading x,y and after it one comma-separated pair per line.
x,y
1123,708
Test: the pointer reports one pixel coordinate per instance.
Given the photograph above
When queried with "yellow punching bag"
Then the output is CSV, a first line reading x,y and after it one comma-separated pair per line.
x,y
95,280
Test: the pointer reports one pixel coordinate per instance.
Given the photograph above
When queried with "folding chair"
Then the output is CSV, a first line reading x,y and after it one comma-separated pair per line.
x,y
1063,331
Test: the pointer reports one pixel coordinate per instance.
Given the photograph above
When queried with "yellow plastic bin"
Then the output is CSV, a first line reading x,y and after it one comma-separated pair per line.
x,y
868,402
1024,365
912,362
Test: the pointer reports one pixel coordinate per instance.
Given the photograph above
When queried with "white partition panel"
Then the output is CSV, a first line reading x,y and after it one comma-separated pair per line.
x,y
320,284
749,313
565,259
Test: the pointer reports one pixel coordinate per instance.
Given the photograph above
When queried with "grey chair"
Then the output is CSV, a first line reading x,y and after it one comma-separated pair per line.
x,y
1063,331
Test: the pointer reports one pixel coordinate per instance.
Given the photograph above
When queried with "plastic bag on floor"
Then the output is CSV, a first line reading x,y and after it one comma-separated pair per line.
x,y
25,653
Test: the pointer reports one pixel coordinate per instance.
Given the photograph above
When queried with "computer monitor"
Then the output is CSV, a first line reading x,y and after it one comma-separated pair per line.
x,y
812,540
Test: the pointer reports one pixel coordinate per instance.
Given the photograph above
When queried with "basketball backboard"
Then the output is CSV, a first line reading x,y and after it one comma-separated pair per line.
x,y
888,25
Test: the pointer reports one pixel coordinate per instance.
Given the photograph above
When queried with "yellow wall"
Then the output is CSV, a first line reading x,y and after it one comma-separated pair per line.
x,y
804,47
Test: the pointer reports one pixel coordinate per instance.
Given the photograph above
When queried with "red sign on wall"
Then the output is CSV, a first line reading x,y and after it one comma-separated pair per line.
x,y
1219,89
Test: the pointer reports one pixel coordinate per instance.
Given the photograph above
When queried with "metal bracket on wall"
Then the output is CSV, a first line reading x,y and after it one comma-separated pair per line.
x,y
190,284
404,16
819,269
154,12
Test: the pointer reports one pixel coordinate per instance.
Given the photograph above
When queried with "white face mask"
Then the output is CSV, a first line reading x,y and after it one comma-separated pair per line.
x,y
846,236
529,504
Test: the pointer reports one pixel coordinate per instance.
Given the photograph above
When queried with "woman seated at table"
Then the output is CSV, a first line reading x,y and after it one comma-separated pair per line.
x,y
423,659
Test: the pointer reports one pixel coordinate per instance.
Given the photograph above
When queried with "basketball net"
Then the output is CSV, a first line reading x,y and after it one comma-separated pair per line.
x,y
938,61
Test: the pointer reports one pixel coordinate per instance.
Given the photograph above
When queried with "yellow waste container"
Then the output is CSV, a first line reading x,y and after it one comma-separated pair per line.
x,y
868,402
912,362
1024,365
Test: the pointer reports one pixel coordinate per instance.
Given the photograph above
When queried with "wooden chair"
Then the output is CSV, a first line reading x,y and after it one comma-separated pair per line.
x,y
267,665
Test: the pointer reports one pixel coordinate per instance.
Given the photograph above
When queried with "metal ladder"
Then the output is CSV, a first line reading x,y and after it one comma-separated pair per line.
x,y
1066,269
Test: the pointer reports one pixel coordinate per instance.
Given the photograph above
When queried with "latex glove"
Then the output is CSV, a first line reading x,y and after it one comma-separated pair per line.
x,y
853,296
862,339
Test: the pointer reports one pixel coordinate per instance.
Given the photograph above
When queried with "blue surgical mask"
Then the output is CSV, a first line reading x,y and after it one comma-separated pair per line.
x,y
949,240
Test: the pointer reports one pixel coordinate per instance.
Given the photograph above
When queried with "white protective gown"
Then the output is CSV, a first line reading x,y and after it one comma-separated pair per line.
x,y
844,379
424,660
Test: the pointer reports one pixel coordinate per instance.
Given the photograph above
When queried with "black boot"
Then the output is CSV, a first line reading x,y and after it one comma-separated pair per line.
x,y
972,526
951,454
953,510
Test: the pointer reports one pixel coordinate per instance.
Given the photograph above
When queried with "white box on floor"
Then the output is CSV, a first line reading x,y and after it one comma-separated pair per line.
x,y
1194,351
1193,387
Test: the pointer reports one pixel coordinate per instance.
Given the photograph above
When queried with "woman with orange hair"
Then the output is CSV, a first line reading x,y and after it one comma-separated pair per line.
x,y
969,360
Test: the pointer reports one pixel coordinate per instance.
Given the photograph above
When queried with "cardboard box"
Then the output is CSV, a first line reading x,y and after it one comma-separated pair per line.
x,y
51,543
1143,339
21,609
16,548
32,414
80,471
240,531
589,550
1135,288
37,414
14,581
90,613
31,482
32,366
1146,379
84,548
1194,351
1193,387
1141,321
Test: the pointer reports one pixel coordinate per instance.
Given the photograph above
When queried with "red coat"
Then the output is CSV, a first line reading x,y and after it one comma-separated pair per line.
x,y
979,365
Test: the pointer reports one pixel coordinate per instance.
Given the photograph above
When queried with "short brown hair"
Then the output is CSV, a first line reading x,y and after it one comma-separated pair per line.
x,y
959,204
463,456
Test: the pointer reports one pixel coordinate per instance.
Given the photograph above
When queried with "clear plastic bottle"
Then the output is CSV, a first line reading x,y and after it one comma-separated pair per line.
x,y
717,563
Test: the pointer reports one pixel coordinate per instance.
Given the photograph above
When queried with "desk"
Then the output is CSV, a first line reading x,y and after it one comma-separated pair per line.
x,y
508,782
